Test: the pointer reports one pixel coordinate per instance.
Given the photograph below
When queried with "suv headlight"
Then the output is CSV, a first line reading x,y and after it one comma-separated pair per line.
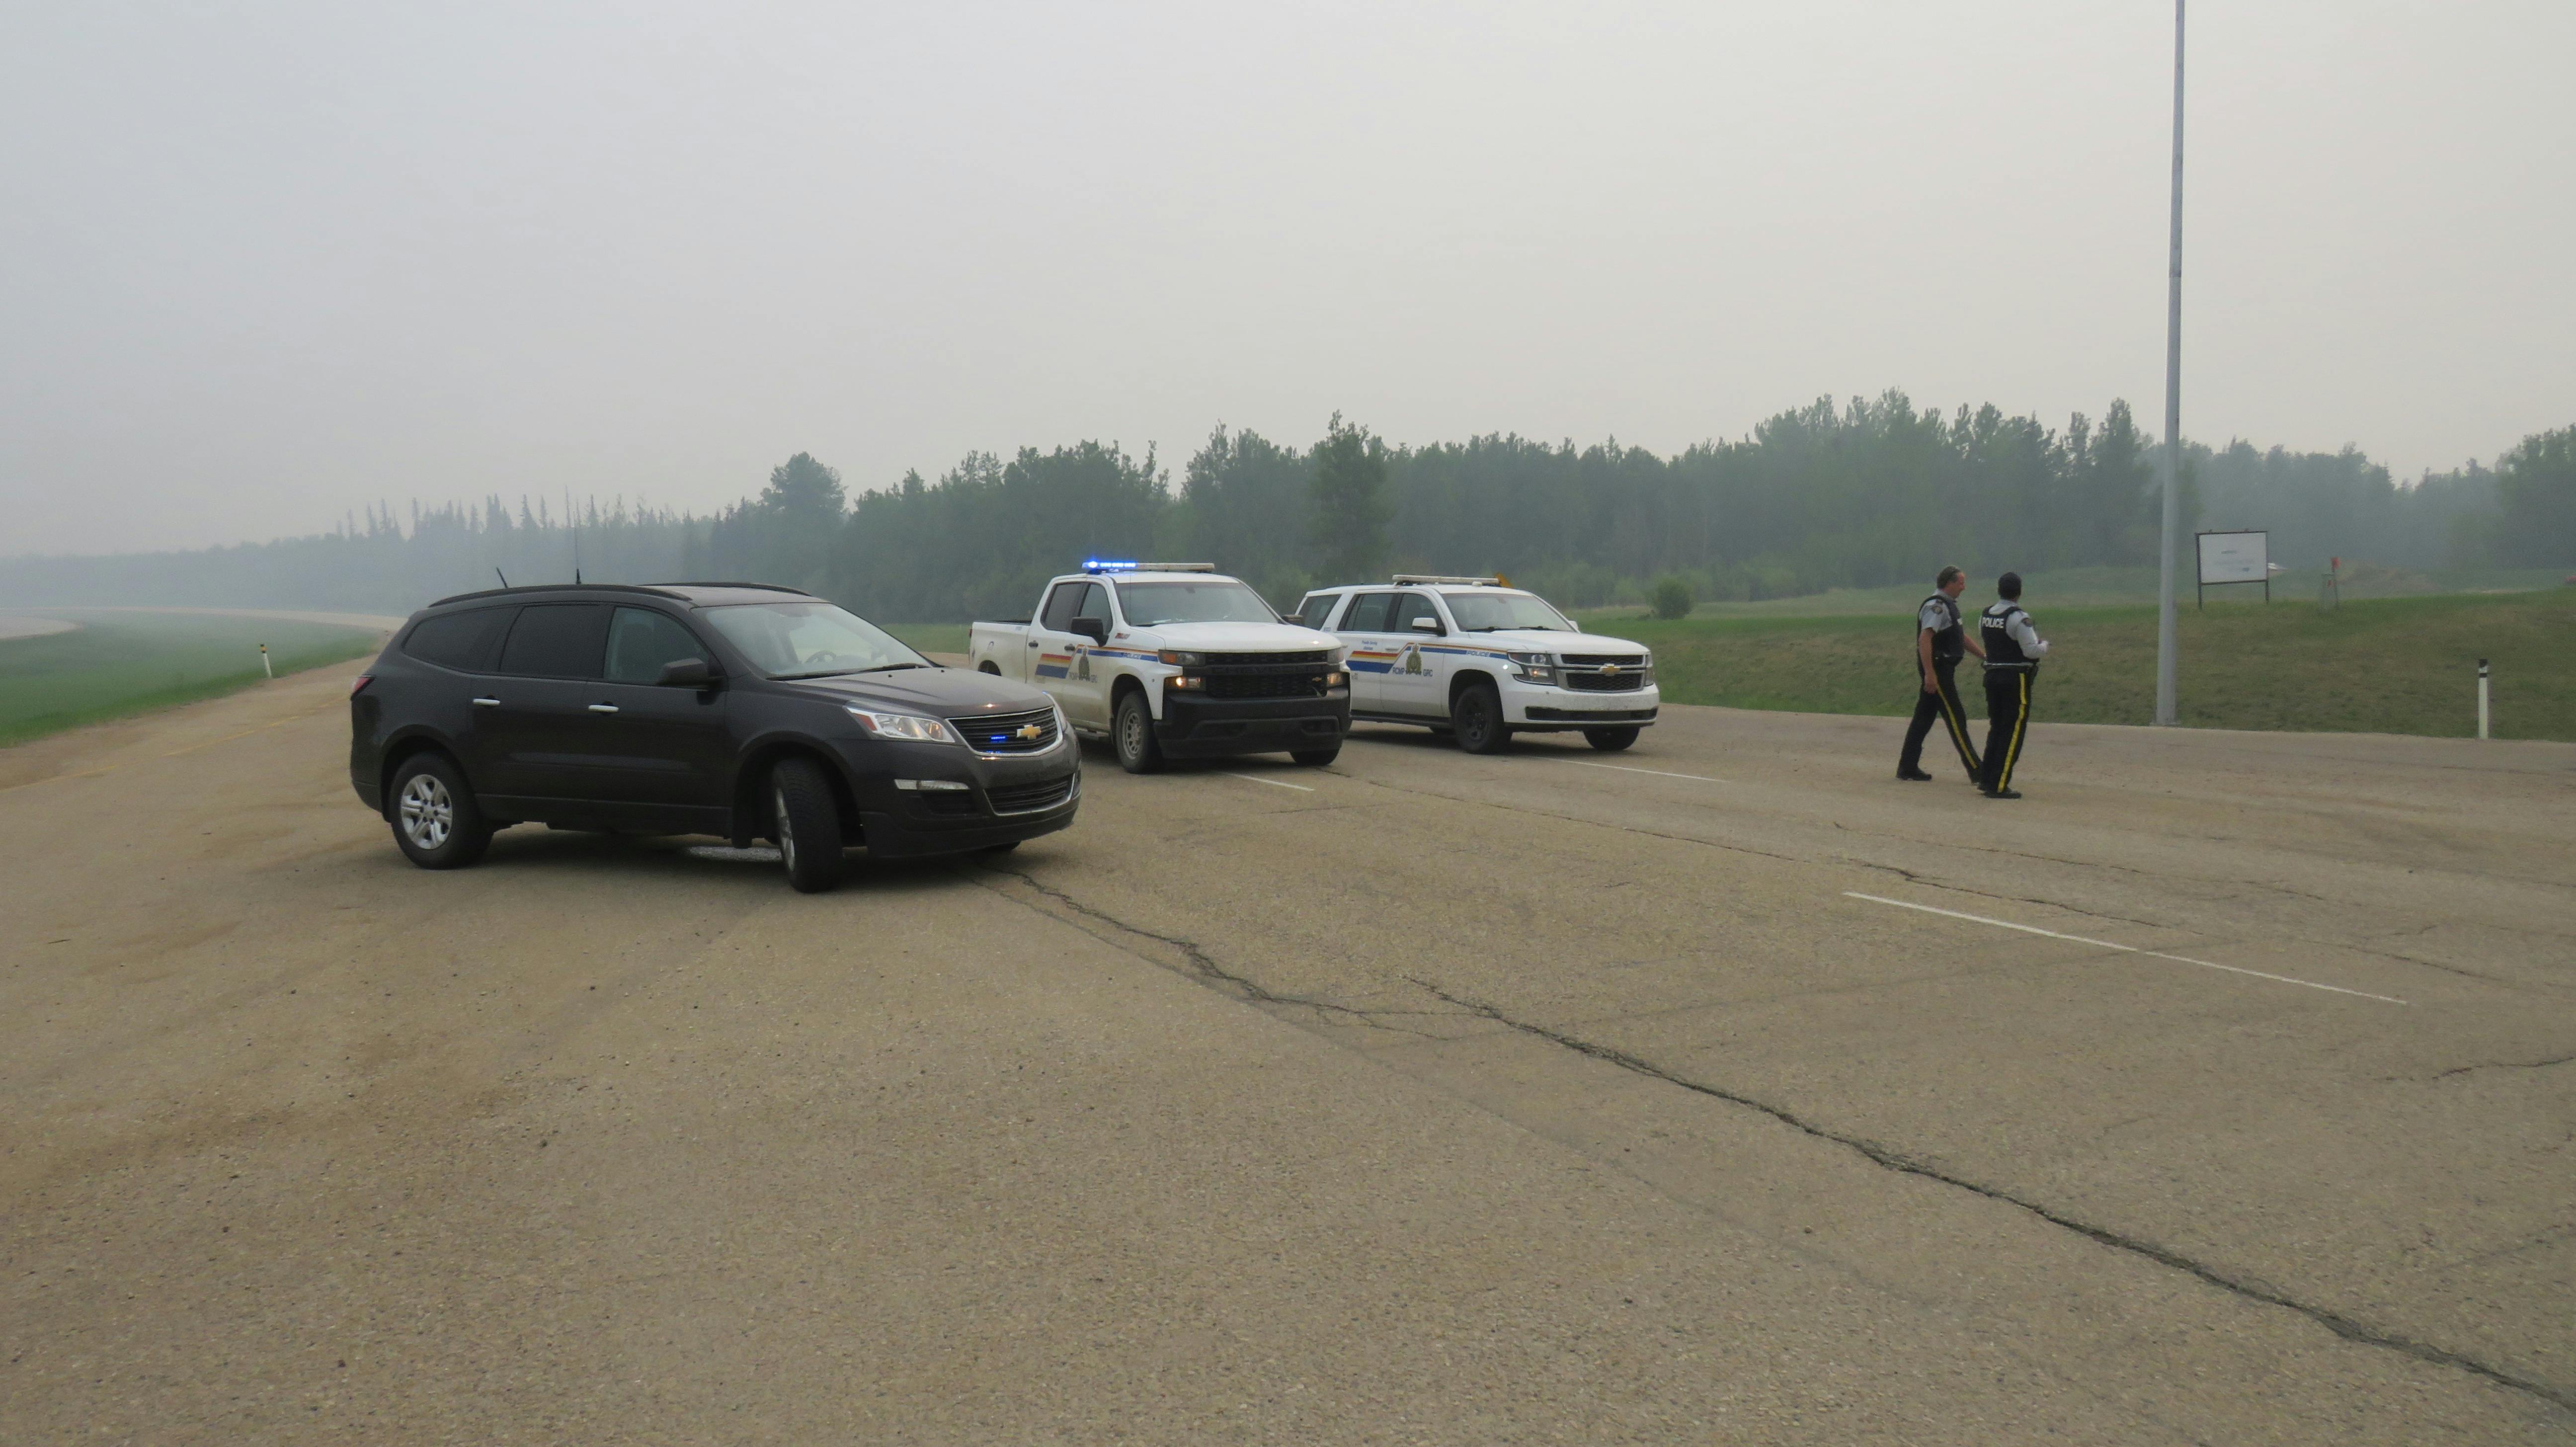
x,y
1178,658
1533,667
908,726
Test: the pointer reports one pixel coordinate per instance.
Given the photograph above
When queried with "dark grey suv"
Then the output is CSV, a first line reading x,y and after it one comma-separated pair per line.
x,y
731,709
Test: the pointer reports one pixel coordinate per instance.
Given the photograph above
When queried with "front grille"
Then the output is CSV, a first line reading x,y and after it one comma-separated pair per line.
x,y
1000,733
1030,798
1266,660
1595,660
1624,681
1266,683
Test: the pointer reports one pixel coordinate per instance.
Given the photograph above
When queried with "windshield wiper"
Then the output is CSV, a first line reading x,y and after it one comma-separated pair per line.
x,y
883,667
817,673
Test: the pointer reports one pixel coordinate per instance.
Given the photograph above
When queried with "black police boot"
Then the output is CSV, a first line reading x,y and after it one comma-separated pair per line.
x,y
1914,776
2001,793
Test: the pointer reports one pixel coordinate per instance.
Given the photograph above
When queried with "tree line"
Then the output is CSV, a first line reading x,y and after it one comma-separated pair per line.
x,y
1855,494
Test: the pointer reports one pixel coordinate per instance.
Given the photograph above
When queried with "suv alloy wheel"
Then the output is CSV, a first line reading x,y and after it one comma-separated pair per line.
x,y
806,824
437,824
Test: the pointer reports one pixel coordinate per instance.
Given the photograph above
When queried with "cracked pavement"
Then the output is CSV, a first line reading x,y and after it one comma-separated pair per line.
x,y
1459,1100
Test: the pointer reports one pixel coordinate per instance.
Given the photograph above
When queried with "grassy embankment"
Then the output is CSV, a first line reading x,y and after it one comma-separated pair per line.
x,y
123,663
2404,662
2403,665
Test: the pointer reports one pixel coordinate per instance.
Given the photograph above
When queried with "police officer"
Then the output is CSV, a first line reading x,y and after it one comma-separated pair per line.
x,y
1938,641
2013,651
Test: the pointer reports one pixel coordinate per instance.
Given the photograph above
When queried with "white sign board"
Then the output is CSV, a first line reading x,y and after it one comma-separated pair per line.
x,y
2235,557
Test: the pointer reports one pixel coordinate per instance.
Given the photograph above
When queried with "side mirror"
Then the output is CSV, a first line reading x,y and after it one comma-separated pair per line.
x,y
1095,629
1576,624
1427,625
687,673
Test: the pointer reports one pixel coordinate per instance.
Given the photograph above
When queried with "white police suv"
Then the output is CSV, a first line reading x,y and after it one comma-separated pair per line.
x,y
1484,661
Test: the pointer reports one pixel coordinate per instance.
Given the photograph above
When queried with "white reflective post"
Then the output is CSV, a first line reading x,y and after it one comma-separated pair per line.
x,y
2482,698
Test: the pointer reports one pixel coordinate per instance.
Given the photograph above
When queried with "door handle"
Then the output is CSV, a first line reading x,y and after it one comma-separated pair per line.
x,y
1033,643
487,703
603,708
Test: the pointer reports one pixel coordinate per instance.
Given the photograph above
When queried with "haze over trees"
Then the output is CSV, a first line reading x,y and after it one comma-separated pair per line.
x,y
1857,494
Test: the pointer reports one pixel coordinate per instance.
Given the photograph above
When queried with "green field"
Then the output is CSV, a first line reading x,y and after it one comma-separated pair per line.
x,y
2389,665
119,663
931,637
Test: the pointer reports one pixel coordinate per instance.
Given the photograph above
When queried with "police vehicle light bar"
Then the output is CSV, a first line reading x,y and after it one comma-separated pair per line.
x,y
1456,582
1098,565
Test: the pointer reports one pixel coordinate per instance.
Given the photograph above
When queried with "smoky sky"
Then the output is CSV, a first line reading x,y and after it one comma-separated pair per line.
x,y
261,265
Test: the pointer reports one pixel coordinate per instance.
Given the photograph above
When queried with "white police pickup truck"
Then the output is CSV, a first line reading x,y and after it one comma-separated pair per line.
x,y
1175,660
1473,657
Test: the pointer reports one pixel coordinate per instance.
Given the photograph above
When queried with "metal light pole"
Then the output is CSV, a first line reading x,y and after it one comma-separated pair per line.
x,y
2173,415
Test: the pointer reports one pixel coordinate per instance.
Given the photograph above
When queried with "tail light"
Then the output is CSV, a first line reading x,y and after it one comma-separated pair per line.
x,y
360,686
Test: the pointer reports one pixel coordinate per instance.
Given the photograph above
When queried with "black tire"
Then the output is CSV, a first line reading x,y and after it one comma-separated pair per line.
x,y
1610,741
806,824
1478,718
987,667
436,822
1316,758
990,849
1131,730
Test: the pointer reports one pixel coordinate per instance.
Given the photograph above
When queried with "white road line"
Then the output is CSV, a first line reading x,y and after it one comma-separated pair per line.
x,y
1274,783
2125,949
1623,768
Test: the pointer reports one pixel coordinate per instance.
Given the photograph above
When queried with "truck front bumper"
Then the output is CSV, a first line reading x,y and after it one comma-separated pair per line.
x,y
1198,728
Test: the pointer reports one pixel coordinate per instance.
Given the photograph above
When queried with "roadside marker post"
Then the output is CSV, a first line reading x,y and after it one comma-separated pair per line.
x,y
2482,698
271,669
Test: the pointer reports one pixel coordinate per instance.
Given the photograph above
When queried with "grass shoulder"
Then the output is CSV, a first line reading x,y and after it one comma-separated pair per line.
x,y
117,663
2391,665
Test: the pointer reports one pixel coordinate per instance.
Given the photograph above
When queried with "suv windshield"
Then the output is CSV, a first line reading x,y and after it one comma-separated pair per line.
x,y
1149,605
1483,612
808,640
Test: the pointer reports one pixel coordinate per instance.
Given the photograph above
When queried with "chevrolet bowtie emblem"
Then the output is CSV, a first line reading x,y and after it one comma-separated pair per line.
x,y
1030,733
1610,669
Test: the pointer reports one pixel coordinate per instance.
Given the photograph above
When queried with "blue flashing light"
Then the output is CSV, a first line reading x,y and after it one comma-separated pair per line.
x,y
1107,565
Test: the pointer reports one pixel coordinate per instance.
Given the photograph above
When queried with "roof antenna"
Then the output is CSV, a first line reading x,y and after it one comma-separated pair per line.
x,y
497,573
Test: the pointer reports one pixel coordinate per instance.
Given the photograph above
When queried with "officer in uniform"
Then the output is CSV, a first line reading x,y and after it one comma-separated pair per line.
x,y
1938,641
2013,651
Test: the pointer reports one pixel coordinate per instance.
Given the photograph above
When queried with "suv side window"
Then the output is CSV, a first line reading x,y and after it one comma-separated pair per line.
x,y
641,640
1368,613
1409,606
557,640
1317,609
463,641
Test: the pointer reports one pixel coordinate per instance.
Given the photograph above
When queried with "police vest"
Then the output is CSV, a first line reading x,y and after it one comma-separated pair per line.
x,y
1994,631
1950,640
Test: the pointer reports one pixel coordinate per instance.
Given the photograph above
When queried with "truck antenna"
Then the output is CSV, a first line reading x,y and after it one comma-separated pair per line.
x,y
505,580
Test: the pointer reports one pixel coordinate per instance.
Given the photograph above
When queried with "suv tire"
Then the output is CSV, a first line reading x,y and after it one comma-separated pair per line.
x,y
1609,741
1316,758
1131,731
1478,717
437,824
806,823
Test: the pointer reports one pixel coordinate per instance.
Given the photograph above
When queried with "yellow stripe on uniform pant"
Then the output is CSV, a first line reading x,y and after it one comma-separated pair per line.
x,y
1958,731
2021,721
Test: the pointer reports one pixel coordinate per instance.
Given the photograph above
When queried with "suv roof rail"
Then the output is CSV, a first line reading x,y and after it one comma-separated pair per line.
x,y
763,587
1104,565
658,591
1458,582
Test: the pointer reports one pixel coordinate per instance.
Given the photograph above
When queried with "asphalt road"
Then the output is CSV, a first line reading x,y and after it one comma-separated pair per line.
x,y
1706,1092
